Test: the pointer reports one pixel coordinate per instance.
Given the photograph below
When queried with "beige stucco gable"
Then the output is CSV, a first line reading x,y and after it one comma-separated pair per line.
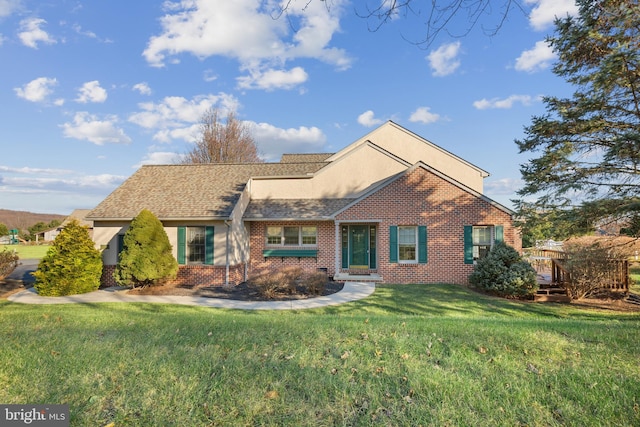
x,y
347,176
412,148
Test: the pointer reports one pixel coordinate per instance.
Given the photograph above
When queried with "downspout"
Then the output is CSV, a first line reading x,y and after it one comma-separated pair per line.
x,y
226,262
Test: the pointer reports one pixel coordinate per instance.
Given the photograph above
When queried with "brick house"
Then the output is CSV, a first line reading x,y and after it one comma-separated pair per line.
x,y
391,207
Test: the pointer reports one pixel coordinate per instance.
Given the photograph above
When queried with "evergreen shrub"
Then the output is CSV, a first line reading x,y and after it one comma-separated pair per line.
x,y
504,273
71,266
146,258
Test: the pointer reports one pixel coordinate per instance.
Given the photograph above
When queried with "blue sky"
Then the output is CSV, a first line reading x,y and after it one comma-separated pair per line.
x,y
92,90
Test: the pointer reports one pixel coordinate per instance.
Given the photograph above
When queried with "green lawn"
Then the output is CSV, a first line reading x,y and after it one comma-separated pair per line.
x,y
27,251
408,355
634,273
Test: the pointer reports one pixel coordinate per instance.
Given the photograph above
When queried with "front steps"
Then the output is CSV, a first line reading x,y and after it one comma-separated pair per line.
x,y
549,292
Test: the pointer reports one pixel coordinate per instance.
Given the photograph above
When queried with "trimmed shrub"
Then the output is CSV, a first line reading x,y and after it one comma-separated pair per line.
x,y
289,281
146,258
8,262
283,281
71,266
315,282
503,272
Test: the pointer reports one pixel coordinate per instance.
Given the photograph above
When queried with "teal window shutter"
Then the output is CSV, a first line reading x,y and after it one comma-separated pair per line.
x,y
499,230
120,243
393,243
208,245
182,245
468,244
422,244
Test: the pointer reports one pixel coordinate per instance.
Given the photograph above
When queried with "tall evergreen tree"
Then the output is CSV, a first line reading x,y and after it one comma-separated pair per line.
x,y
146,257
589,144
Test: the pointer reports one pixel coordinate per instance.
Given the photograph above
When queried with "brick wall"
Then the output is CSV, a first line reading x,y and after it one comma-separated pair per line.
x,y
326,249
189,275
423,198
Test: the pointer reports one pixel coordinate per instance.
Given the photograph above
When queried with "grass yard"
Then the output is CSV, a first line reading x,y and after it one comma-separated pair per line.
x,y
27,251
408,355
634,273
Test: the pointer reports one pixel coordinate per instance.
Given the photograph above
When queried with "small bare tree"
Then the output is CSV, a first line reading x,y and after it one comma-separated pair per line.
x,y
593,263
223,142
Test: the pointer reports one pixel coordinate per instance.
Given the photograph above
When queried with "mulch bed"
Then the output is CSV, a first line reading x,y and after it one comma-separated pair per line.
x,y
241,292
8,287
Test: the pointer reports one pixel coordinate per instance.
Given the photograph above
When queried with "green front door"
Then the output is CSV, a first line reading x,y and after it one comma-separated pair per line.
x,y
359,246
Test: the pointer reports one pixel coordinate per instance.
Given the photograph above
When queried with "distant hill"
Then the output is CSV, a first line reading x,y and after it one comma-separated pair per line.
x,y
23,220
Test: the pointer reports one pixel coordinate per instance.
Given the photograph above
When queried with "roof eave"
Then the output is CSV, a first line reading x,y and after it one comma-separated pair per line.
x,y
190,218
288,219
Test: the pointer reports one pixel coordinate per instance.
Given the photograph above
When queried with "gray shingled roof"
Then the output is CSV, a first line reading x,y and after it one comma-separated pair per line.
x,y
305,158
79,215
189,191
294,208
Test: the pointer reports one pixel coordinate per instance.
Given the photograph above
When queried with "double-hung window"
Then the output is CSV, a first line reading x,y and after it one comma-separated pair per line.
x,y
407,244
482,241
479,239
292,235
195,245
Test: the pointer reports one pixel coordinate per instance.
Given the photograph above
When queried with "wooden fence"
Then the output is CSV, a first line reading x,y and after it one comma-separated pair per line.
x,y
616,279
617,275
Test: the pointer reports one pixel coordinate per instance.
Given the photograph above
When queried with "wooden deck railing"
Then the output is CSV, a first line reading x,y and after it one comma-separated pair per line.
x,y
543,253
617,275
540,259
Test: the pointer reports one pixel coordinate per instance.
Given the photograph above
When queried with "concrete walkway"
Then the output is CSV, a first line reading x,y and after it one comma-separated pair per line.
x,y
352,291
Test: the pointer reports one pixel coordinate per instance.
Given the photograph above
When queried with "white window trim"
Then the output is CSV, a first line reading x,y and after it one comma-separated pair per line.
x,y
475,247
415,230
282,244
189,246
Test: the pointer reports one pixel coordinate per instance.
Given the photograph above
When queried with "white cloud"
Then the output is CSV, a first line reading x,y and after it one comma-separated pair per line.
x,y
545,12
32,171
506,103
88,127
37,90
7,7
444,60
188,133
368,119
424,115
247,31
177,110
143,88
272,141
31,34
536,59
91,92
175,116
502,187
160,158
38,180
209,76
273,79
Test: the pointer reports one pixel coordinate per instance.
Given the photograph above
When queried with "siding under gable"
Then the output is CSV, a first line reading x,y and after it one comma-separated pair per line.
x,y
413,148
347,177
